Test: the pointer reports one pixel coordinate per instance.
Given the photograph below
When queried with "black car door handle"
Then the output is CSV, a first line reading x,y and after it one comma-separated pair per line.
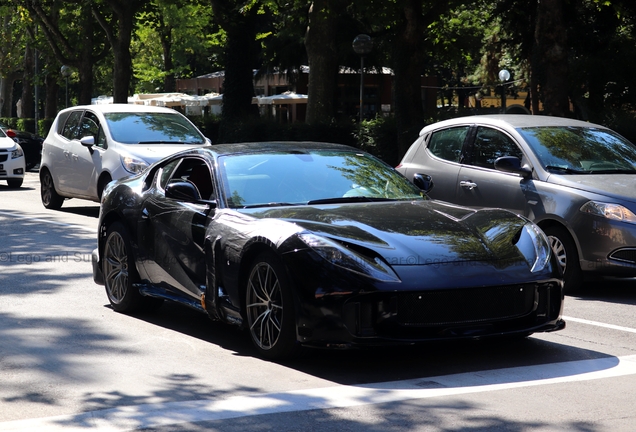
x,y
467,184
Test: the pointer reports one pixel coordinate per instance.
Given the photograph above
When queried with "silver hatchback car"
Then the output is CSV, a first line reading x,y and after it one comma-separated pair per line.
x,y
90,145
576,180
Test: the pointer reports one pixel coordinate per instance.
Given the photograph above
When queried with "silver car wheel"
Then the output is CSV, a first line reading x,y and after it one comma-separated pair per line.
x,y
264,306
558,248
116,268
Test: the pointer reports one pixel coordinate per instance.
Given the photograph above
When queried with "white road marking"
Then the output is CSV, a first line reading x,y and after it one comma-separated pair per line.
x,y
52,222
170,413
599,324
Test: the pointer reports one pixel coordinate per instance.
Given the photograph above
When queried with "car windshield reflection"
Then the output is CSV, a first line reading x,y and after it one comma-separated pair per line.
x,y
577,150
152,128
319,177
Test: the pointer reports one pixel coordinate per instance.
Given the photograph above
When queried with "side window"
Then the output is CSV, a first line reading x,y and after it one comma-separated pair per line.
x,y
71,127
195,171
447,144
166,172
91,126
491,144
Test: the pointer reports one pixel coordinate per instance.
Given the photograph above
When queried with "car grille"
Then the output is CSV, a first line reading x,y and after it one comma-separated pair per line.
x,y
625,255
458,306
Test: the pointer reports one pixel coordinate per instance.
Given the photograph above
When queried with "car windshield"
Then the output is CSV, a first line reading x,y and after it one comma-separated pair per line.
x,y
581,150
313,177
152,128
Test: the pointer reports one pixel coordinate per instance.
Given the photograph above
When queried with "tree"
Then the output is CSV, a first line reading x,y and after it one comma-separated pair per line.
x,y
70,32
117,18
240,20
12,49
320,42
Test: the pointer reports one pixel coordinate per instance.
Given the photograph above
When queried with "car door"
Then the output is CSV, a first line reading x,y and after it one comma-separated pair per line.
x,y
61,150
440,158
172,231
86,161
481,185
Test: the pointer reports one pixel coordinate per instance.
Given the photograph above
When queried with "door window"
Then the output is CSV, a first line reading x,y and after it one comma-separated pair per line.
x,y
72,127
91,126
491,144
447,144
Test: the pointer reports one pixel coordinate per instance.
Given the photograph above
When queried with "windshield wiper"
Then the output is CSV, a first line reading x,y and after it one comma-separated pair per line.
x,y
352,199
272,204
565,170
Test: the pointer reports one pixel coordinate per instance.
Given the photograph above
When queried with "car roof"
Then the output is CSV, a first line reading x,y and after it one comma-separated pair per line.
x,y
121,107
270,146
512,120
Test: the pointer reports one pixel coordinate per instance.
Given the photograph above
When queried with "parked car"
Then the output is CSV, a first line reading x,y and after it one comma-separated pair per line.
x,y
31,145
88,146
320,245
574,179
11,161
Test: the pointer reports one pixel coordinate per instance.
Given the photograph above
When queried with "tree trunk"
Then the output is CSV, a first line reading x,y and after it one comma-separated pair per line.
x,y
122,68
320,43
408,62
52,89
241,52
169,81
551,48
27,103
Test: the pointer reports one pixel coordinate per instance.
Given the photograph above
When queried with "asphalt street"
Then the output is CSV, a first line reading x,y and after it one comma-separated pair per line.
x,y
69,362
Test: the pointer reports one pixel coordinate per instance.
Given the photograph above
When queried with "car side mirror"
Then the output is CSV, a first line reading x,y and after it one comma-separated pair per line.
x,y
87,141
512,164
183,191
423,181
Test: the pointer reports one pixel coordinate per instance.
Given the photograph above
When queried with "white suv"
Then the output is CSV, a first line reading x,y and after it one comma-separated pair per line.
x,y
12,162
89,146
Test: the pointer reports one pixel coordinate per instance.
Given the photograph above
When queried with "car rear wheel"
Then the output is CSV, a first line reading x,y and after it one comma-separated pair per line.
x,y
118,265
15,183
269,308
567,256
50,198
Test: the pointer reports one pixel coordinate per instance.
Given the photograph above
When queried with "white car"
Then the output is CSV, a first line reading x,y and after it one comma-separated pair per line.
x,y
12,162
89,146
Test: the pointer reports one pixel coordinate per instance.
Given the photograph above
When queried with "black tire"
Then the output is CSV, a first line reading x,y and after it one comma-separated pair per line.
x,y
269,308
50,198
567,256
15,183
118,265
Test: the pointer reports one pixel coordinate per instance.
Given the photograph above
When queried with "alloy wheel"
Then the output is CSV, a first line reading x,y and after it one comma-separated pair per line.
x,y
558,248
116,268
264,306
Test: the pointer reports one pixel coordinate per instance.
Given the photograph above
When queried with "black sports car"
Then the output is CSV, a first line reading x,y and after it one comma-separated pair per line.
x,y
31,145
320,245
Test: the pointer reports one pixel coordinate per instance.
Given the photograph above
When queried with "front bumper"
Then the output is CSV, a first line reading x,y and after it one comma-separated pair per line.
x,y
412,317
98,275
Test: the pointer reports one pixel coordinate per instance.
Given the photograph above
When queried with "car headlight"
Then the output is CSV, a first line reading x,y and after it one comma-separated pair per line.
x,y
133,165
17,153
609,211
347,259
534,246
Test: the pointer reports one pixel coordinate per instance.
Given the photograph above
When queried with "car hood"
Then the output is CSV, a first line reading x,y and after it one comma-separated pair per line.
x,y
7,143
618,186
411,233
152,153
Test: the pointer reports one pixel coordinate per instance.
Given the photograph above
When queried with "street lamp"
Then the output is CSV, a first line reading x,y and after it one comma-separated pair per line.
x,y
504,76
362,45
66,72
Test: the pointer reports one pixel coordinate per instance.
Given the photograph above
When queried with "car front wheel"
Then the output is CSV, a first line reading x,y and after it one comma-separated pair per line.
x,y
118,265
567,256
269,308
50,198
